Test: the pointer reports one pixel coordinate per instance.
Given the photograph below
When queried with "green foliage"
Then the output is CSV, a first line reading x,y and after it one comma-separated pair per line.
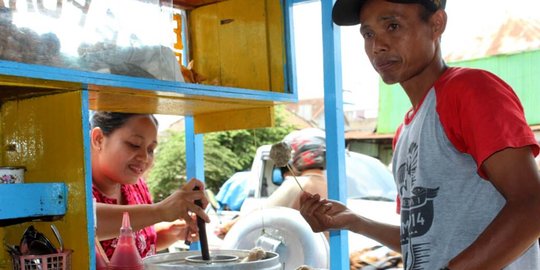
x,y
169,171
224,154
219,162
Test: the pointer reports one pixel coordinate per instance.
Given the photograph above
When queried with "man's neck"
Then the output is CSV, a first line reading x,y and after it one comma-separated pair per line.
x,y
417,87
312,172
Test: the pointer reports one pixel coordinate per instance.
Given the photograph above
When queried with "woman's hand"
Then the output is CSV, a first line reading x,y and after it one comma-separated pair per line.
x,y
181,204
323,214
171,232
222,229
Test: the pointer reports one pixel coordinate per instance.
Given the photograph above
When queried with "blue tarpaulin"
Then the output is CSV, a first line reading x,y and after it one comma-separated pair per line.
x,y
234,191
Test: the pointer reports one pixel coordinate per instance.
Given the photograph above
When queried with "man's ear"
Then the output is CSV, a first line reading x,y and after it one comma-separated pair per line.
x,y
96,138
438,23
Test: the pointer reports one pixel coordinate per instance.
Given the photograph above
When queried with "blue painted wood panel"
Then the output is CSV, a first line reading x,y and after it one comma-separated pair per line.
x,y
32,200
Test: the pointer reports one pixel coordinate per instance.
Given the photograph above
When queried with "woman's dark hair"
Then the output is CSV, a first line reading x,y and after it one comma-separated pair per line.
x,y
111,121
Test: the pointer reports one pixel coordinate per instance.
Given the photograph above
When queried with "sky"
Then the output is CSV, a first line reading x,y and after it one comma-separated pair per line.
x,y
467,19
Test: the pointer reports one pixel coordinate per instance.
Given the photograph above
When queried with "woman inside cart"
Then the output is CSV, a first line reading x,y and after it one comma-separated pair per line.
x,y
122,148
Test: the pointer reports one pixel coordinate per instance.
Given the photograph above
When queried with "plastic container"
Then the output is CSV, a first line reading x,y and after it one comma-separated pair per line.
x,y
126,256
12,175
114,40
56,261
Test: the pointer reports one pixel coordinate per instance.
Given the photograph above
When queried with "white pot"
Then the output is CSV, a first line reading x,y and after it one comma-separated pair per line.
x,y
12,175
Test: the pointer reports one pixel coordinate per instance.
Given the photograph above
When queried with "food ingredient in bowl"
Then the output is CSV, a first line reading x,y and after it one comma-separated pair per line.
x,y
255,254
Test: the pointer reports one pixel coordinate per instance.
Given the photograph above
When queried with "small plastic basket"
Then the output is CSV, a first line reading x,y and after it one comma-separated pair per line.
x,y
55,261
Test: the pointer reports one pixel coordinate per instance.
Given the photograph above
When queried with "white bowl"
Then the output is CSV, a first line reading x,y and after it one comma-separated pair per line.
x,y
12,175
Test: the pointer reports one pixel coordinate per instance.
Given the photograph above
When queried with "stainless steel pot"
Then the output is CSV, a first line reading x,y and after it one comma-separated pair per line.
x,y
177,261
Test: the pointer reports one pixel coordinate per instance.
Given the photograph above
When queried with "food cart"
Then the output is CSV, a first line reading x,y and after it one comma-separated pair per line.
x,y
60,59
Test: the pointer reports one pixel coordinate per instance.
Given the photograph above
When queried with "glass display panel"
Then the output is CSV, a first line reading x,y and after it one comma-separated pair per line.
x,y
124,37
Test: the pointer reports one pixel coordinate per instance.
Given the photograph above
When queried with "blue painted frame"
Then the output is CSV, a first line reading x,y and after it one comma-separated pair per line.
x,y
335,133
85,113
194,158
160,86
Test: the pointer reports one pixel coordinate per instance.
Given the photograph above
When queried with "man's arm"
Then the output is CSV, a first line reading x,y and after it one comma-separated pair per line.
x,y
383,233
514,173
325,215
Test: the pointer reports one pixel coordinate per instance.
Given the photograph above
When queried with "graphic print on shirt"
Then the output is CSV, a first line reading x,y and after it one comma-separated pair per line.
x,y
416,211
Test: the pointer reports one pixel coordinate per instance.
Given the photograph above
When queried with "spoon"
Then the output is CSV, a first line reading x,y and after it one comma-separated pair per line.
x,y
58,237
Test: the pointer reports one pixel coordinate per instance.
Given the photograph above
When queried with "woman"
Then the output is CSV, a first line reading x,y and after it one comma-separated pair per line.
x,y
122,148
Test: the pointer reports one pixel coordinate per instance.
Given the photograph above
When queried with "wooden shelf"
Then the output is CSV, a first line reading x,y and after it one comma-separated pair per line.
x,y
191,4
141,95
22,80
32,201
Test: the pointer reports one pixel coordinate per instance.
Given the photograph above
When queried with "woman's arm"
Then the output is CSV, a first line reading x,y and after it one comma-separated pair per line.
x,y
109,218
178,205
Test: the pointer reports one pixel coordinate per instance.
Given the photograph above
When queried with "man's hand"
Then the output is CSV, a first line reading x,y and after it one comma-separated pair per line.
x,y
323,214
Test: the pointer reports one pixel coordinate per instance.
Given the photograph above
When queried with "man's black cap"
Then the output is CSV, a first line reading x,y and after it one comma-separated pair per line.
x,y
347,12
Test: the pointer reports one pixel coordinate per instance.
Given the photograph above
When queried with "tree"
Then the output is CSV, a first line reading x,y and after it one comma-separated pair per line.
x,y
224,154
169,169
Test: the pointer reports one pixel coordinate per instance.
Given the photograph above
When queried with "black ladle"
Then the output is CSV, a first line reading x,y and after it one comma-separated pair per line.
x,y
202,233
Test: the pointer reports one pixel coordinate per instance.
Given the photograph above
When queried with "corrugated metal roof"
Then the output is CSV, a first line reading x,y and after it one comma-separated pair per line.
x,y
512,36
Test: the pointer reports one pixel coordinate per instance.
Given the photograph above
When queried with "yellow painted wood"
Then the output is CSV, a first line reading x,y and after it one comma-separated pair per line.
x,y
204,38
243,44
35,85
238,119
276,45
47,135
240,43
129,100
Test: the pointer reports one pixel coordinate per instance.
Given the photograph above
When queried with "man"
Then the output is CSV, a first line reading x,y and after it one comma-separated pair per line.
x,y
468,187
308,161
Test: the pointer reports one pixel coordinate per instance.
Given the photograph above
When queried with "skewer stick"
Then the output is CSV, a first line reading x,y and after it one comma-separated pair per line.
x,y
294,176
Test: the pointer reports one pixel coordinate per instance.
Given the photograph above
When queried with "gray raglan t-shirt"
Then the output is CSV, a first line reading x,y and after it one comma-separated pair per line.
x,y
444,203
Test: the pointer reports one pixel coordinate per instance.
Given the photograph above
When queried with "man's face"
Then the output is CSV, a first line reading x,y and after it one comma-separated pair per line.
x,y
399,44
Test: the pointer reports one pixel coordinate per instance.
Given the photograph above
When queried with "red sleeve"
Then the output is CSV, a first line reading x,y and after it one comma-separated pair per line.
x,y
396,137
481,114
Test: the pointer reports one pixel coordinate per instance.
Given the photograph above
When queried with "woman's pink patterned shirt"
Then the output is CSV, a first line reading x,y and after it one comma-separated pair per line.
x,y
138,193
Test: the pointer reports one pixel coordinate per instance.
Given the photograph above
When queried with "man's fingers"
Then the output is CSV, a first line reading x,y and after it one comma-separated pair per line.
x,y
305,196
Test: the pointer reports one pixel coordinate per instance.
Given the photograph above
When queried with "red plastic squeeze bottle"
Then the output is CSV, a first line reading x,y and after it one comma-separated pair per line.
x,y
126,256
